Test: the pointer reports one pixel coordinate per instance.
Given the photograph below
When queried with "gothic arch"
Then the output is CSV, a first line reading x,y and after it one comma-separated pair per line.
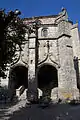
x,y
18,76
47,78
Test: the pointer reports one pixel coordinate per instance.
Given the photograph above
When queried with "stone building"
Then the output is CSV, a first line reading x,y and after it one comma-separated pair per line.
x,y
49,60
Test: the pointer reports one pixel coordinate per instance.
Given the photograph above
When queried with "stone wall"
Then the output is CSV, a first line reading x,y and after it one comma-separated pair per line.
x,y
58,49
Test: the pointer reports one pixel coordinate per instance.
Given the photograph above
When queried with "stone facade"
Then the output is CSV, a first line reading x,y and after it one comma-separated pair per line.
x,y
58,45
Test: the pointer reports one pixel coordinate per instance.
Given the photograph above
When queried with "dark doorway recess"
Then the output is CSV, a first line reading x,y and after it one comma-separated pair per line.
x,y
18,77
47,79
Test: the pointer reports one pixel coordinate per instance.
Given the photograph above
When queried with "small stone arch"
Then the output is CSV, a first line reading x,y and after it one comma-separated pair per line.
x,y
47,78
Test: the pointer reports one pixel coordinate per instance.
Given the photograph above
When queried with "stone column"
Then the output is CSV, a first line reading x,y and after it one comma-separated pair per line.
x,y
66,74
32,93
0,81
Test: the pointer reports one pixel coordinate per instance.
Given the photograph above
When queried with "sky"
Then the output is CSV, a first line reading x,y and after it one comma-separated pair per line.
x,y
30,8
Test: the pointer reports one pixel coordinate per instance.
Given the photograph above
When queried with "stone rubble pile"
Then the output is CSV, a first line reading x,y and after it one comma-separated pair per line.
x,y
14,108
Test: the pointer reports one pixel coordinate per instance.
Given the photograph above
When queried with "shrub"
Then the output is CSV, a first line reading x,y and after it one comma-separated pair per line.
x,y
4,93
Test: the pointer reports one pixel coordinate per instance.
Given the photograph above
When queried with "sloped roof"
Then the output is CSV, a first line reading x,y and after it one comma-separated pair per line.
x,y
40,17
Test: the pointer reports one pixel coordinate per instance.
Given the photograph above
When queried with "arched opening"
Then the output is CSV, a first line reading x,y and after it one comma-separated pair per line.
x,y
18,77
47,79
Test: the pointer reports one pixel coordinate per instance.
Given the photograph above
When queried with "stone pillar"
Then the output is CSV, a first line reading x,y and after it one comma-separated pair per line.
x,y
11,85
66,73
0,81
32,93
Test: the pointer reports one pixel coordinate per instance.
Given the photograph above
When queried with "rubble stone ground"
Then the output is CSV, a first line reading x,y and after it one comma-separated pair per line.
x,y
23,111
6,111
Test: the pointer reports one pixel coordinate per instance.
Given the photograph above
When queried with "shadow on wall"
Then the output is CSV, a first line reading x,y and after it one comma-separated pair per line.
x,y
47,79
18,77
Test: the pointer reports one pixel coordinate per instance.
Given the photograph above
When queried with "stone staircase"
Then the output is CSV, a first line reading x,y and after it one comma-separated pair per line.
x,y
21,93
6,113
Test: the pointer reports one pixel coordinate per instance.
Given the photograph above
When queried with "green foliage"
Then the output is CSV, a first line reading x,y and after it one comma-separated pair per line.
x,y
12,33
4,92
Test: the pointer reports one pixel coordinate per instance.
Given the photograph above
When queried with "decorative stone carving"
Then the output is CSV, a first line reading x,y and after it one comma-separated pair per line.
x,y
62,15
24,53
42,50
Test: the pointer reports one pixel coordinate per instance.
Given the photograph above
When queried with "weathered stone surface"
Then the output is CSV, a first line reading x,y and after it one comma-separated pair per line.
x,y
58,49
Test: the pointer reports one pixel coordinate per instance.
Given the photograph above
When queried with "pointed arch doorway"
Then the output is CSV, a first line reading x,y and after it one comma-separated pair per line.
x,y
47,77
18,76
